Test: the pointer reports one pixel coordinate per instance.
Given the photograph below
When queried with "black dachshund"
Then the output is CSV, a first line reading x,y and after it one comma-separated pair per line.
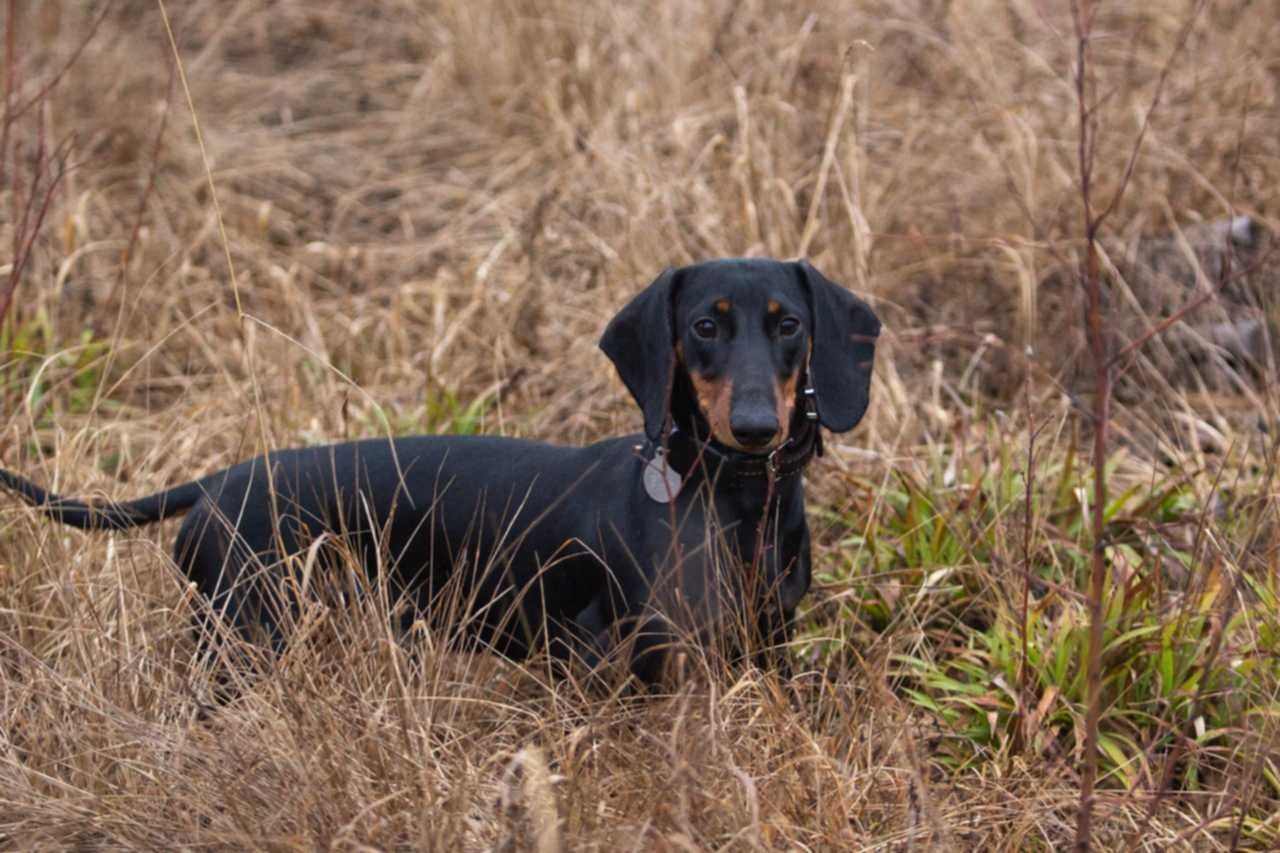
x,y
621,546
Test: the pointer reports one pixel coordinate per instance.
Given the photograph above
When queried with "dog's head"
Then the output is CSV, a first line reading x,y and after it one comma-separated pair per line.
x,y
728,342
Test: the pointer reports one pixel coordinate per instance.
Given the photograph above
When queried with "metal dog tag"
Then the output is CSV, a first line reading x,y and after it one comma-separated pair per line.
x,y
661,481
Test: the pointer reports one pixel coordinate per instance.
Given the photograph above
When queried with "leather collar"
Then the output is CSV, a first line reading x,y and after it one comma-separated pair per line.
x,y
686,451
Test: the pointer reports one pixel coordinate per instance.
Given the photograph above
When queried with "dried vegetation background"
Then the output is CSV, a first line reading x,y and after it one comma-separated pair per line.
x,y
426,212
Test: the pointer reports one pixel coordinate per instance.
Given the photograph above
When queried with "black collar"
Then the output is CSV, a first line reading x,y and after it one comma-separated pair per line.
x,y
687,450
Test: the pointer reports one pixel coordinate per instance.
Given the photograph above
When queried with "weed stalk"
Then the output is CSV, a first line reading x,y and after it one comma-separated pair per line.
x,y
44,171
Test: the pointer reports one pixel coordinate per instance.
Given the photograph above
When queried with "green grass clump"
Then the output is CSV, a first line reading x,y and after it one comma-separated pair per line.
x,y
996,629
50,376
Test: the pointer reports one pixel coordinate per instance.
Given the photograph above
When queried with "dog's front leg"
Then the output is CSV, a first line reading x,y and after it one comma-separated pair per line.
x,y
651,641
584,640
596,641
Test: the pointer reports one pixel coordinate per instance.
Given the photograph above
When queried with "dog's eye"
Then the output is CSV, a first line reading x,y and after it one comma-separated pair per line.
x,y
706,328
788,327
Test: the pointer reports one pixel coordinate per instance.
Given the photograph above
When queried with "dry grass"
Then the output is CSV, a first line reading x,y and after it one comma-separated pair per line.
x,y
432,210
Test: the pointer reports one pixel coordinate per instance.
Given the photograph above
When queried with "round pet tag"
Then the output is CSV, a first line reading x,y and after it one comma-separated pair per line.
x,y
661,481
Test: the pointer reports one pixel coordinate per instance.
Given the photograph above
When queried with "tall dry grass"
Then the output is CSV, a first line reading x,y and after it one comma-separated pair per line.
x,y
432,210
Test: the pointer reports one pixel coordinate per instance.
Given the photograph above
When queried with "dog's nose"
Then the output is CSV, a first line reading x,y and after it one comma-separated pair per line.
x,y
754,431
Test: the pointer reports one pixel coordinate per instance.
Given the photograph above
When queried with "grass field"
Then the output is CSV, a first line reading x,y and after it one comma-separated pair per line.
x,y
418,216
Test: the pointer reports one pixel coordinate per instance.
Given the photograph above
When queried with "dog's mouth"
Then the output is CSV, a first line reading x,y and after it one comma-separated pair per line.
x,y
722,435
755,449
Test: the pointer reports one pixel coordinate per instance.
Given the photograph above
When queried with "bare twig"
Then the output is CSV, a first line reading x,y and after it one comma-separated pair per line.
x,y
1028,522
1083,14
44,170
1091,282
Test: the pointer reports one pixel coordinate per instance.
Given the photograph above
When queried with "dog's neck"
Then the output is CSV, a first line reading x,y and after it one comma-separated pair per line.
x,y
693,449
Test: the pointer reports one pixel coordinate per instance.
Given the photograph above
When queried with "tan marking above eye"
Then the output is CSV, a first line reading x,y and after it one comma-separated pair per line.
x,y
774,307
723,305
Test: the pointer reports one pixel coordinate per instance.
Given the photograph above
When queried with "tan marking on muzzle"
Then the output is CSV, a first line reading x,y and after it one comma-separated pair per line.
x,y
786,399
784,391
715,399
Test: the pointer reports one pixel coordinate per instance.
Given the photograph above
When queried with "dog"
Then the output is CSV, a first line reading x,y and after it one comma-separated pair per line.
x,y
623,547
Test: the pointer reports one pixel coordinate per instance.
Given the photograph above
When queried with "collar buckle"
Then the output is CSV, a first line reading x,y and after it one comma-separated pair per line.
x,y
771,461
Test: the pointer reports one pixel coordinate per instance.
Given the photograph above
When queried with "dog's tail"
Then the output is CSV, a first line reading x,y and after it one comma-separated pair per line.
x,y
106,515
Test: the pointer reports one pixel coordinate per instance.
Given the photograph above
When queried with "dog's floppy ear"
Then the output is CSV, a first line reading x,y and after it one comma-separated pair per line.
x,y
640,342
844,346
